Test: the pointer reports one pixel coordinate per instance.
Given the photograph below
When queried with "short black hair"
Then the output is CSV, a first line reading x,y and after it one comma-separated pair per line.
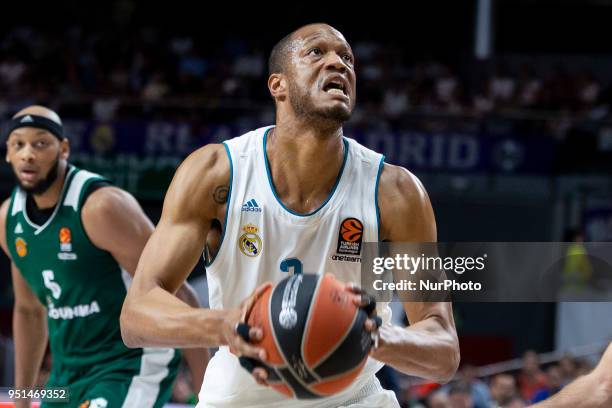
x,y
279,55
277,62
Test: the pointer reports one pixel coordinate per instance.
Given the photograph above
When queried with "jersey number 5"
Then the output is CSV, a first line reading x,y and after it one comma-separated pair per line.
x,y
54,287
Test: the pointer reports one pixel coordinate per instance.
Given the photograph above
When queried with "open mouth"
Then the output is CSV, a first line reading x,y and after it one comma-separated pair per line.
x,y
335,87
28,174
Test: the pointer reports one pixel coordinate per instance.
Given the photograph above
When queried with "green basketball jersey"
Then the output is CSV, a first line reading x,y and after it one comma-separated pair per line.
x,y
82,286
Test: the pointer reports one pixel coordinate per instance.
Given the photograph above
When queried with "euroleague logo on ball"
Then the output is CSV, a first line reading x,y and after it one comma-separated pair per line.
x,y
288,316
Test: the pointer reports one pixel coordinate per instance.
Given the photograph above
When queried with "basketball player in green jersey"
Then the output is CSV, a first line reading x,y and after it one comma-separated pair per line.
x,y
74,240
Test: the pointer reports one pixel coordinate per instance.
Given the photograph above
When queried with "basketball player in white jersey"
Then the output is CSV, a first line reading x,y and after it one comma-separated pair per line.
x,y
281,195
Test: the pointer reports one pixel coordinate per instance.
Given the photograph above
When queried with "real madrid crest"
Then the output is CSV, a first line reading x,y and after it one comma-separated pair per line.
x,y
250,243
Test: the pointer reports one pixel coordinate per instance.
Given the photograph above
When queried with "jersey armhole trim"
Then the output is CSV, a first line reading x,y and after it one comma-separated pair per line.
x,y
83,196
86,189
227,208
7,226
380,168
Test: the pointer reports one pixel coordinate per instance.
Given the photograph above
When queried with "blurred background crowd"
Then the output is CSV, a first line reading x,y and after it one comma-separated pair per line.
x,y
153,66
532,383
145,72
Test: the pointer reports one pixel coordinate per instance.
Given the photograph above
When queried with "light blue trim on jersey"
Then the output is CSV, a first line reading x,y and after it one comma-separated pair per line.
x,y
229,198
380,167
346,148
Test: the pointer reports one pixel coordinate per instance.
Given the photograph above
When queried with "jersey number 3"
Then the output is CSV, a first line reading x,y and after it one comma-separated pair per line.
x,y
291,263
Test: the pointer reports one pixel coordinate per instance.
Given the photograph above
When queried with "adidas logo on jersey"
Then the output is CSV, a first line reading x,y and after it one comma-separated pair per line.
x,y
18,229
251,206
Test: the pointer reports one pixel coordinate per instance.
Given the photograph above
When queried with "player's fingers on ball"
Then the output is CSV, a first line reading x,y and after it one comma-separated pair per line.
x,y
363,300
244,331
251,351
373,323
261,375
255,334
354,288
356,292
259,381
368,304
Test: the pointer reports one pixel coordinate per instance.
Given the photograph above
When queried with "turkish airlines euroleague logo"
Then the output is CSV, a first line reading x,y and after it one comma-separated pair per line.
x,y
65,236
350,236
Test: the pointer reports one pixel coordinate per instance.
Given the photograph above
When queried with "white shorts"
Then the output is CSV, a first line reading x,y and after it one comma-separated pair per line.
x,y
369,396
372,395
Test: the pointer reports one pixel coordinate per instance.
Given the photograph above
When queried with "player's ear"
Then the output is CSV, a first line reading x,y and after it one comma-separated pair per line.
x,y
277,84
64,149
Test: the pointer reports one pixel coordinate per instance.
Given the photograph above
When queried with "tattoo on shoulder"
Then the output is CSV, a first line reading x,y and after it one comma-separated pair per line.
x,y
220,194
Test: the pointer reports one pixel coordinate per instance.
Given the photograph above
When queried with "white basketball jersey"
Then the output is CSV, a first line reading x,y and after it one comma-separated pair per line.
x,y
265,241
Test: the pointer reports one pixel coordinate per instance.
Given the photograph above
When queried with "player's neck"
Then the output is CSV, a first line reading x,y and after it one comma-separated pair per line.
x,y
304,164
50,197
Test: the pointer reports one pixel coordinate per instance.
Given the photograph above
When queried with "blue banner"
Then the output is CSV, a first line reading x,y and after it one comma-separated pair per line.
x,y
462,152
142,155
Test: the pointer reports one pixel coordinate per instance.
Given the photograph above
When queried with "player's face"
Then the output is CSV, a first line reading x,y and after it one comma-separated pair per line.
x,y
322,75
34,155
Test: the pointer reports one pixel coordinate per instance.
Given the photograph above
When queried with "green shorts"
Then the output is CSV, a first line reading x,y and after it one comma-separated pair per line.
x,y
144,382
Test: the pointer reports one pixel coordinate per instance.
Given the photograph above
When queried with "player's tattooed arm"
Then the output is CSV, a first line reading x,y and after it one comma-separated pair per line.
x,y
152,315
429,348
220,194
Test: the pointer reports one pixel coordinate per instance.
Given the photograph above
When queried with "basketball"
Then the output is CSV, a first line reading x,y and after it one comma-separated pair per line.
x,y
313,334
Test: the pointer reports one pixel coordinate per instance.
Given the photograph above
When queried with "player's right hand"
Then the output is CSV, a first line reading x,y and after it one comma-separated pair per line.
x,y
368,304
238,334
